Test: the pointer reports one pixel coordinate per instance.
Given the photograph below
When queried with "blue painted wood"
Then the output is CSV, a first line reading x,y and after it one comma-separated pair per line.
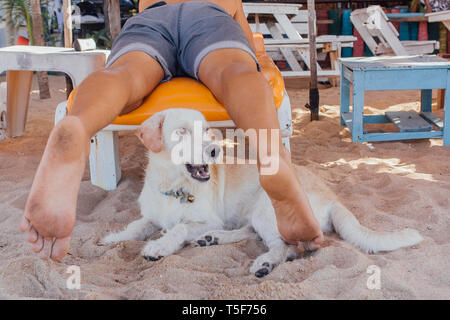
x,y
447,112
358,105
405,79
344,95
405,15
389,136
403,31
426,96
395,63
394,73
368,118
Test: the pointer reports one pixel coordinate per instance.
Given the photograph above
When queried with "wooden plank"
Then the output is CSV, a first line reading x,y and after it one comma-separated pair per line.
x,y
313,65
358,105
271,8
408,19
307,73
67,9
431,118
370,118
438,16
390,136
287,53
386,63
113,17
362,30
408,121
396,79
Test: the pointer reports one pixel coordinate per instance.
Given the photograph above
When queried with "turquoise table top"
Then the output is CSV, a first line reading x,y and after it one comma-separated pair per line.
x,y
395,62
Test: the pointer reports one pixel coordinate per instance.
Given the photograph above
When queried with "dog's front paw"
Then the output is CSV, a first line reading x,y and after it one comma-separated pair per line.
x,y
206,240
108,239
154,251
261,268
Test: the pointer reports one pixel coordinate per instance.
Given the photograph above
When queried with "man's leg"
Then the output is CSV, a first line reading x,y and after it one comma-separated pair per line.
x,y
51,206
232,76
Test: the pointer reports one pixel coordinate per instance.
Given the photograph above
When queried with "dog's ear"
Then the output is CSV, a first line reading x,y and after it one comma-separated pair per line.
x,y
150,133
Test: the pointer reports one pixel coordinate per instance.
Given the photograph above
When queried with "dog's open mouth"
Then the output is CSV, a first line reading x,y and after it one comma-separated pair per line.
x,y
198,172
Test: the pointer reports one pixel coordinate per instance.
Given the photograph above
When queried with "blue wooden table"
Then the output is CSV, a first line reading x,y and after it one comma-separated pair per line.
x,y
395,73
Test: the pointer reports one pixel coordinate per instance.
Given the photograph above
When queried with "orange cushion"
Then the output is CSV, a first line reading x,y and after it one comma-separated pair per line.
x,y
191,94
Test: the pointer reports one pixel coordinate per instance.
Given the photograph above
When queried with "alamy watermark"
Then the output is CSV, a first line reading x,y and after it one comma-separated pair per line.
x,y
73,282
207,146
374,280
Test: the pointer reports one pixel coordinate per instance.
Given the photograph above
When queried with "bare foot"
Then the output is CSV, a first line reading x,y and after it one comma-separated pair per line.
x,y
296,221
50,210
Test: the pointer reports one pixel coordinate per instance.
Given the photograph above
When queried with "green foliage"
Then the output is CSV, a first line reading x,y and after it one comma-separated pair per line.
x,y
19,12
101,38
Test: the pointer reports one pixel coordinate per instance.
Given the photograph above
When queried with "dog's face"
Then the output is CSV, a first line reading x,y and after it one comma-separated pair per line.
x,y
181,136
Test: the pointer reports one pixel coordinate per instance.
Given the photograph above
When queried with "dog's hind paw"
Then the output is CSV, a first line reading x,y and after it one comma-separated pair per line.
x,y
207,240
150,258
265,270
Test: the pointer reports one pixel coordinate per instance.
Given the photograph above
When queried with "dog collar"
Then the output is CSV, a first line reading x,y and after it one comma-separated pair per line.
x,y
183,195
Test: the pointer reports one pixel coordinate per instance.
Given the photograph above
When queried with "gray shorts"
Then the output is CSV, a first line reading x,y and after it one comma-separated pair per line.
x,y
180,35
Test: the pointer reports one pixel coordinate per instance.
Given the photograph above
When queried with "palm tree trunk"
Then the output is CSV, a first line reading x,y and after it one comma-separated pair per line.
x,y
11,31
111,10
38,40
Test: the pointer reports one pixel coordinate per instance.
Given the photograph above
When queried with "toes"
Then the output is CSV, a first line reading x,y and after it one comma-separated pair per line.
x,y
32,235
60,248
46,251
24,224
208,241
38,245
201,243
310,245
265,269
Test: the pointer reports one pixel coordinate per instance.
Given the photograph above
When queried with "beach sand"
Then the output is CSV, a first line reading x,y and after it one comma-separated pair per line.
x,y
388,186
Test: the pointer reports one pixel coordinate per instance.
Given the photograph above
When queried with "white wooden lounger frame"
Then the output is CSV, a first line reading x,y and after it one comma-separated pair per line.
x,y
381,36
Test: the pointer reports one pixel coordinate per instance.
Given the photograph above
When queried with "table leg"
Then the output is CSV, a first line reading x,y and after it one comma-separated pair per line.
x,y
344,95
425,105
358,106
447,112
18,97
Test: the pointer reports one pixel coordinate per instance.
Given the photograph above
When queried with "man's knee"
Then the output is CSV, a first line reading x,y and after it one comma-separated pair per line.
x,y
224,64
238,69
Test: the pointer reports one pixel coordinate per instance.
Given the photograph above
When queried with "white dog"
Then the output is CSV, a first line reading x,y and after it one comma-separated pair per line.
x,y
216,204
